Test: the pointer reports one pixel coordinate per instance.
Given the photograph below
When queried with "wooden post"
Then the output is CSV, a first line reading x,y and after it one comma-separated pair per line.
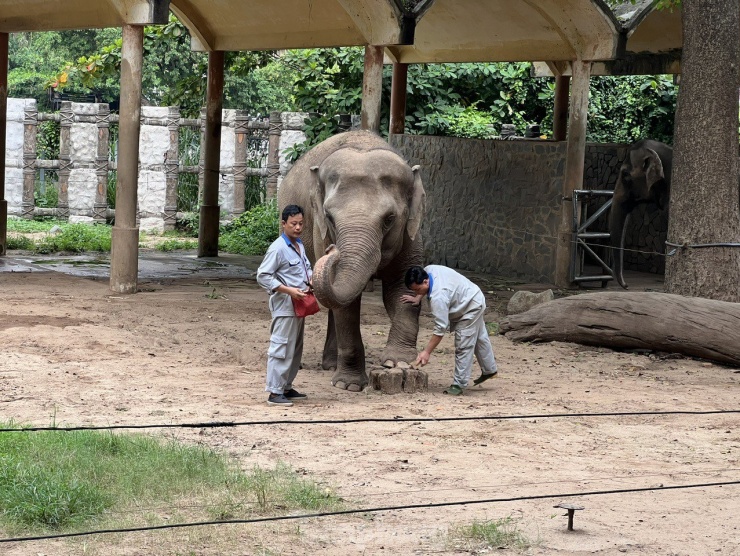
x,y
560,113
209,208
273,156
124,260
398,98
102,120
574,160
65,163
3,127
372,87
241,143
30,127
172,168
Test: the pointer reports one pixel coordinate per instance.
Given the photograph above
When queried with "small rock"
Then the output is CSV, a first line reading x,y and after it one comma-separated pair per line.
x,y
403,365
55,230
388,364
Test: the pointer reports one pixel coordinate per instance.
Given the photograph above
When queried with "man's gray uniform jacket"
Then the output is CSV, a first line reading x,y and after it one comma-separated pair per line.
x,y
453,299
283,265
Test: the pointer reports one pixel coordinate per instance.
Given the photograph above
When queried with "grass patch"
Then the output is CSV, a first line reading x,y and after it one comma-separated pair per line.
x,y
492,328
175,244
498,534
23,226
20,242
77,238
65,481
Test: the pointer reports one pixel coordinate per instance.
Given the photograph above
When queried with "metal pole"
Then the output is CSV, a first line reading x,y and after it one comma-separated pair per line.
x,y
209,209
398,98
124,264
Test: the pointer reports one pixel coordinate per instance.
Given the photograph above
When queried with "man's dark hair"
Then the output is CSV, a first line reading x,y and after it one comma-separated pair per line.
x,y
415,275
291,210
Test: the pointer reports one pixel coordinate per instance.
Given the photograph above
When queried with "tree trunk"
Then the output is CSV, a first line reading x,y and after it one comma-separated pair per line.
x,y
705,202
657,321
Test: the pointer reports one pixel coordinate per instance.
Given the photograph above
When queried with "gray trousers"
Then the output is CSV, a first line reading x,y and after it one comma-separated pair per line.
x,y
471,338
284,355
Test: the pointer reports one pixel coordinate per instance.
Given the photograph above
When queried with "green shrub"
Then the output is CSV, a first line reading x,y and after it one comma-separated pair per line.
x,y
77,238
20,242
175,244
188,224
252,232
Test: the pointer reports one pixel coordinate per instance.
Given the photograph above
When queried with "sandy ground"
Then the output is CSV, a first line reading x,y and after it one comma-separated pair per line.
x,y
190,349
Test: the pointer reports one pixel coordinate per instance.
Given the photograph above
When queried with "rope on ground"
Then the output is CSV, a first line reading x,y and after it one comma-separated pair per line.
x,y
368,510
218,424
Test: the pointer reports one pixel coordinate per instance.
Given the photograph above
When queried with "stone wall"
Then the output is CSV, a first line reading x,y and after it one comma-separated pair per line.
x,y
494,206
14,153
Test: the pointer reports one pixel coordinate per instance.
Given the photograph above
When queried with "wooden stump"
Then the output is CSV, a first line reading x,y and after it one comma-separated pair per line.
x,y
397,380
634,320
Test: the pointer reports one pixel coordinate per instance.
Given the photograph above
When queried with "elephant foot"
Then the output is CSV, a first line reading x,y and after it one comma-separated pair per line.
x,y
395,354
352,381
329,363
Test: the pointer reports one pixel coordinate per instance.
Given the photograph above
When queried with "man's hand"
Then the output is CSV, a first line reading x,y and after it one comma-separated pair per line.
x,y
295,293
423,358
412,299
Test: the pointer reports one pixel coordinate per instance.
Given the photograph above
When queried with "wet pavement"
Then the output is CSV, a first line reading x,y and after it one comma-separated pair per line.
x,y
153,265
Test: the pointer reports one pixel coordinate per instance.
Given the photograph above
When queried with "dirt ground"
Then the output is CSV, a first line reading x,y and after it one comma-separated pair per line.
x,y
190,349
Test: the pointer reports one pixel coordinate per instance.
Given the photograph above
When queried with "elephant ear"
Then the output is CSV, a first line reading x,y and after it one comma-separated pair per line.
x,y
317,202
653,168
417,206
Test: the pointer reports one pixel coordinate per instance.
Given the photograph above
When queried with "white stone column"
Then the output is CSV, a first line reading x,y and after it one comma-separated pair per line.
x,y
291,134
83,152
14,153
226,162
154,145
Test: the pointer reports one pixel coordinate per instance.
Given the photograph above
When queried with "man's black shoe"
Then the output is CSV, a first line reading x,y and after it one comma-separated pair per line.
x,y
294,395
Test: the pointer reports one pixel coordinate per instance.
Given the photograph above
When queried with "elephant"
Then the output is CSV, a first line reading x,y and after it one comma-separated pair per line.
x,y
644,177
363,206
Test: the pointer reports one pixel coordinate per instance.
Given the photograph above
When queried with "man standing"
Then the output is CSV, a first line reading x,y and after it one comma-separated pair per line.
x,y
285,273
457,304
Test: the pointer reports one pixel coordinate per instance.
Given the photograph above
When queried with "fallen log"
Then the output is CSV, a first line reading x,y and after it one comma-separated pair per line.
x,y
635,320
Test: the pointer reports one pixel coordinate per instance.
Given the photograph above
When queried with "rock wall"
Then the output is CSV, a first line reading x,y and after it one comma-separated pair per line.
x,y
493,206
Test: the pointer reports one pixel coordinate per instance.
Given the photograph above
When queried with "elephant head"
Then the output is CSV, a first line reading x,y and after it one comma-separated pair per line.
x,y
644,177
367,204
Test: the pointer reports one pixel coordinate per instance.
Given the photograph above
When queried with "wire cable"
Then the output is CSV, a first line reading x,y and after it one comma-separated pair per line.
x,y
368,510
226,424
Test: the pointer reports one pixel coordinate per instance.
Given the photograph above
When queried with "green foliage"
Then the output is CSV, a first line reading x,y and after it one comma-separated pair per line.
x,y
188,224
77,238
252,232
45,195
63,480
23,226
21,243
625,109
176,244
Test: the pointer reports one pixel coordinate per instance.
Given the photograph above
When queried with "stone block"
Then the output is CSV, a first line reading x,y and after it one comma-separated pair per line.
x,y
151,224
79,219
83,143
81,190
415,380
388,381
14,189
523,301
154,142
152,187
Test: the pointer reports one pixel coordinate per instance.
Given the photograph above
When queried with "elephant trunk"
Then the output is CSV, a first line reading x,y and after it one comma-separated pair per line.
x,y
618,219
341,275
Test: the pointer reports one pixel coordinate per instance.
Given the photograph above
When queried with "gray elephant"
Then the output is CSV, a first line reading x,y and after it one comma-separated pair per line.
x,y
363,208
644,177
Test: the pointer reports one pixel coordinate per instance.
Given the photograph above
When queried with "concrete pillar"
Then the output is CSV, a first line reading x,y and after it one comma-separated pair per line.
x,y
273,155
124,264
154,150
574,162
398,98
560,112
241,142
3,121
65,160
100,206
372,87
30,128
172,168
209,208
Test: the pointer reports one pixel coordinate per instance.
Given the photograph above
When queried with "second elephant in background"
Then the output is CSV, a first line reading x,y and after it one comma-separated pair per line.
x,y
363,208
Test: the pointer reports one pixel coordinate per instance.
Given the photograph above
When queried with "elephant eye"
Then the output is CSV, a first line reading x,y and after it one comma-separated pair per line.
x,y
389,220
329,218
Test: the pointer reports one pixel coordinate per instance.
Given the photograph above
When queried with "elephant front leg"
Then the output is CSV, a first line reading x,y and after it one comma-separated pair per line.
x,y
401,345
329,358
350,374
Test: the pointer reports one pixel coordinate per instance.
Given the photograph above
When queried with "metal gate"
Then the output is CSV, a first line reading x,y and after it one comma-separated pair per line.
x,y
582,221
